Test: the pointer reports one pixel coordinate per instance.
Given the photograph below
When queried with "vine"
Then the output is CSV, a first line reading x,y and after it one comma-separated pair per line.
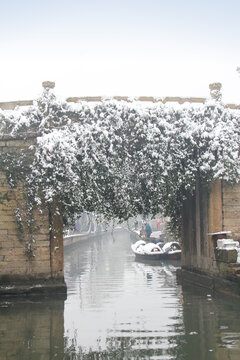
x,y
119,159
15,166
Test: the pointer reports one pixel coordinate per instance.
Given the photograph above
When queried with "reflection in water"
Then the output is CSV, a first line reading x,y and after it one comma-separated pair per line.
x,y
212,327
120,309
31,329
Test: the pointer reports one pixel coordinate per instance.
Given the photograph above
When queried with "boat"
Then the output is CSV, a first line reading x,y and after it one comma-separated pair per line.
x,y
156,251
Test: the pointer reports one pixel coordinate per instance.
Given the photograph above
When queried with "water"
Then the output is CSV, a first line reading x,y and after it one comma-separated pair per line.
x,y
117,308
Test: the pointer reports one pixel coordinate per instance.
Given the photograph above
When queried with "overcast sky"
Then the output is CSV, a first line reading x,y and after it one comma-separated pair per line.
x,y
125,47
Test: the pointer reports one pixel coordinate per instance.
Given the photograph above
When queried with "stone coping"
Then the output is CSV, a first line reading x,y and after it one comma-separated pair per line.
x,y
11,105
211,282
38,288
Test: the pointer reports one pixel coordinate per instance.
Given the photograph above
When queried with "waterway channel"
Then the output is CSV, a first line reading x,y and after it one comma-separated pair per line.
x,y
117,308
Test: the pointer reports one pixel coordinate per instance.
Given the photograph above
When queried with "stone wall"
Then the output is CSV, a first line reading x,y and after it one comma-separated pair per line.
x,y
231,209
15,263
213,209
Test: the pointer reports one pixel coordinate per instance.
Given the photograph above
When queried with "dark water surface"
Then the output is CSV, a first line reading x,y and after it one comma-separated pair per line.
x,y
118,308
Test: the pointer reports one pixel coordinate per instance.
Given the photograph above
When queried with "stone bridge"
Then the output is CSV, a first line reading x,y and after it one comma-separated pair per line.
x,y
204,215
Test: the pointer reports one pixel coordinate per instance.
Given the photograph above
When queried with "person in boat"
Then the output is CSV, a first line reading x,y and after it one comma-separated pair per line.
x,y
148,230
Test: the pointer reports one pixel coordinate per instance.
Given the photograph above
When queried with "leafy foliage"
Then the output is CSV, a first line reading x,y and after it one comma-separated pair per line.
x,y
121,159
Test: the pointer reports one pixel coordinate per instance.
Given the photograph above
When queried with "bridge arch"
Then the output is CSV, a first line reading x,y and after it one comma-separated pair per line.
x,y
116,158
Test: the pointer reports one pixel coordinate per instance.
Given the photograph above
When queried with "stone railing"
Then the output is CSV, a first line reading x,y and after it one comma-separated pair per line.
x,y
215,93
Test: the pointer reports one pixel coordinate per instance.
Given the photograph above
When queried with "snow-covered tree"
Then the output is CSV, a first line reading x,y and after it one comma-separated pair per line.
x,y
120,159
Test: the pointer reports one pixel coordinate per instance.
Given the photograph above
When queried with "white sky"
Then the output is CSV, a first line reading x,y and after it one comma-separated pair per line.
x,y
124,47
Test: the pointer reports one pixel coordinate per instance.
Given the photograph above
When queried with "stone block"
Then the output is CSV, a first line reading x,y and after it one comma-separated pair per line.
x,y
20,251
8,225
9,259
4,188
231,198
226,256
224,269
18,143
229,223
232,215
44,231
4,211
7,244
41,238
10,204
7,218
2,175
14,231
42,243
189,275
14,238
43,251
42,266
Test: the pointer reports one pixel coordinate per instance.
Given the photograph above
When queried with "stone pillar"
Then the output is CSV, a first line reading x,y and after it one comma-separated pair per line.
x,y
215,215
201,214
215,91
48,85
31,259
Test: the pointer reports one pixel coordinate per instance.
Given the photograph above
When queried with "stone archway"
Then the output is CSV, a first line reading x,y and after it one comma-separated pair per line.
x,y
37,256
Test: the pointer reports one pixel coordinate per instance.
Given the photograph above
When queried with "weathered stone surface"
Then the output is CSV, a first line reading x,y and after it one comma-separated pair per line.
x,y
15,264
41,287
206,213
215,91
226,256
225,271
7,244
194,278
18,143
231,209
10,105
48,84
228,285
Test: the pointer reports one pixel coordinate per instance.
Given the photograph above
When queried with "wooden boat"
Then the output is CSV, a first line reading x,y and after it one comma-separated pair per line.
x,y
151,251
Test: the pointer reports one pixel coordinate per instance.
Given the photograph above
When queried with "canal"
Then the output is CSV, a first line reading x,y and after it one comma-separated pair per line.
x,y
117,308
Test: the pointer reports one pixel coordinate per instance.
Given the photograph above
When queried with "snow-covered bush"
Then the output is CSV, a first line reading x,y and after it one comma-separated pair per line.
x,y
120,159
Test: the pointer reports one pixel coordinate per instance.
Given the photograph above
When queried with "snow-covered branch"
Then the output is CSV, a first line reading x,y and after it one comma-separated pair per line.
x,y
120,159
